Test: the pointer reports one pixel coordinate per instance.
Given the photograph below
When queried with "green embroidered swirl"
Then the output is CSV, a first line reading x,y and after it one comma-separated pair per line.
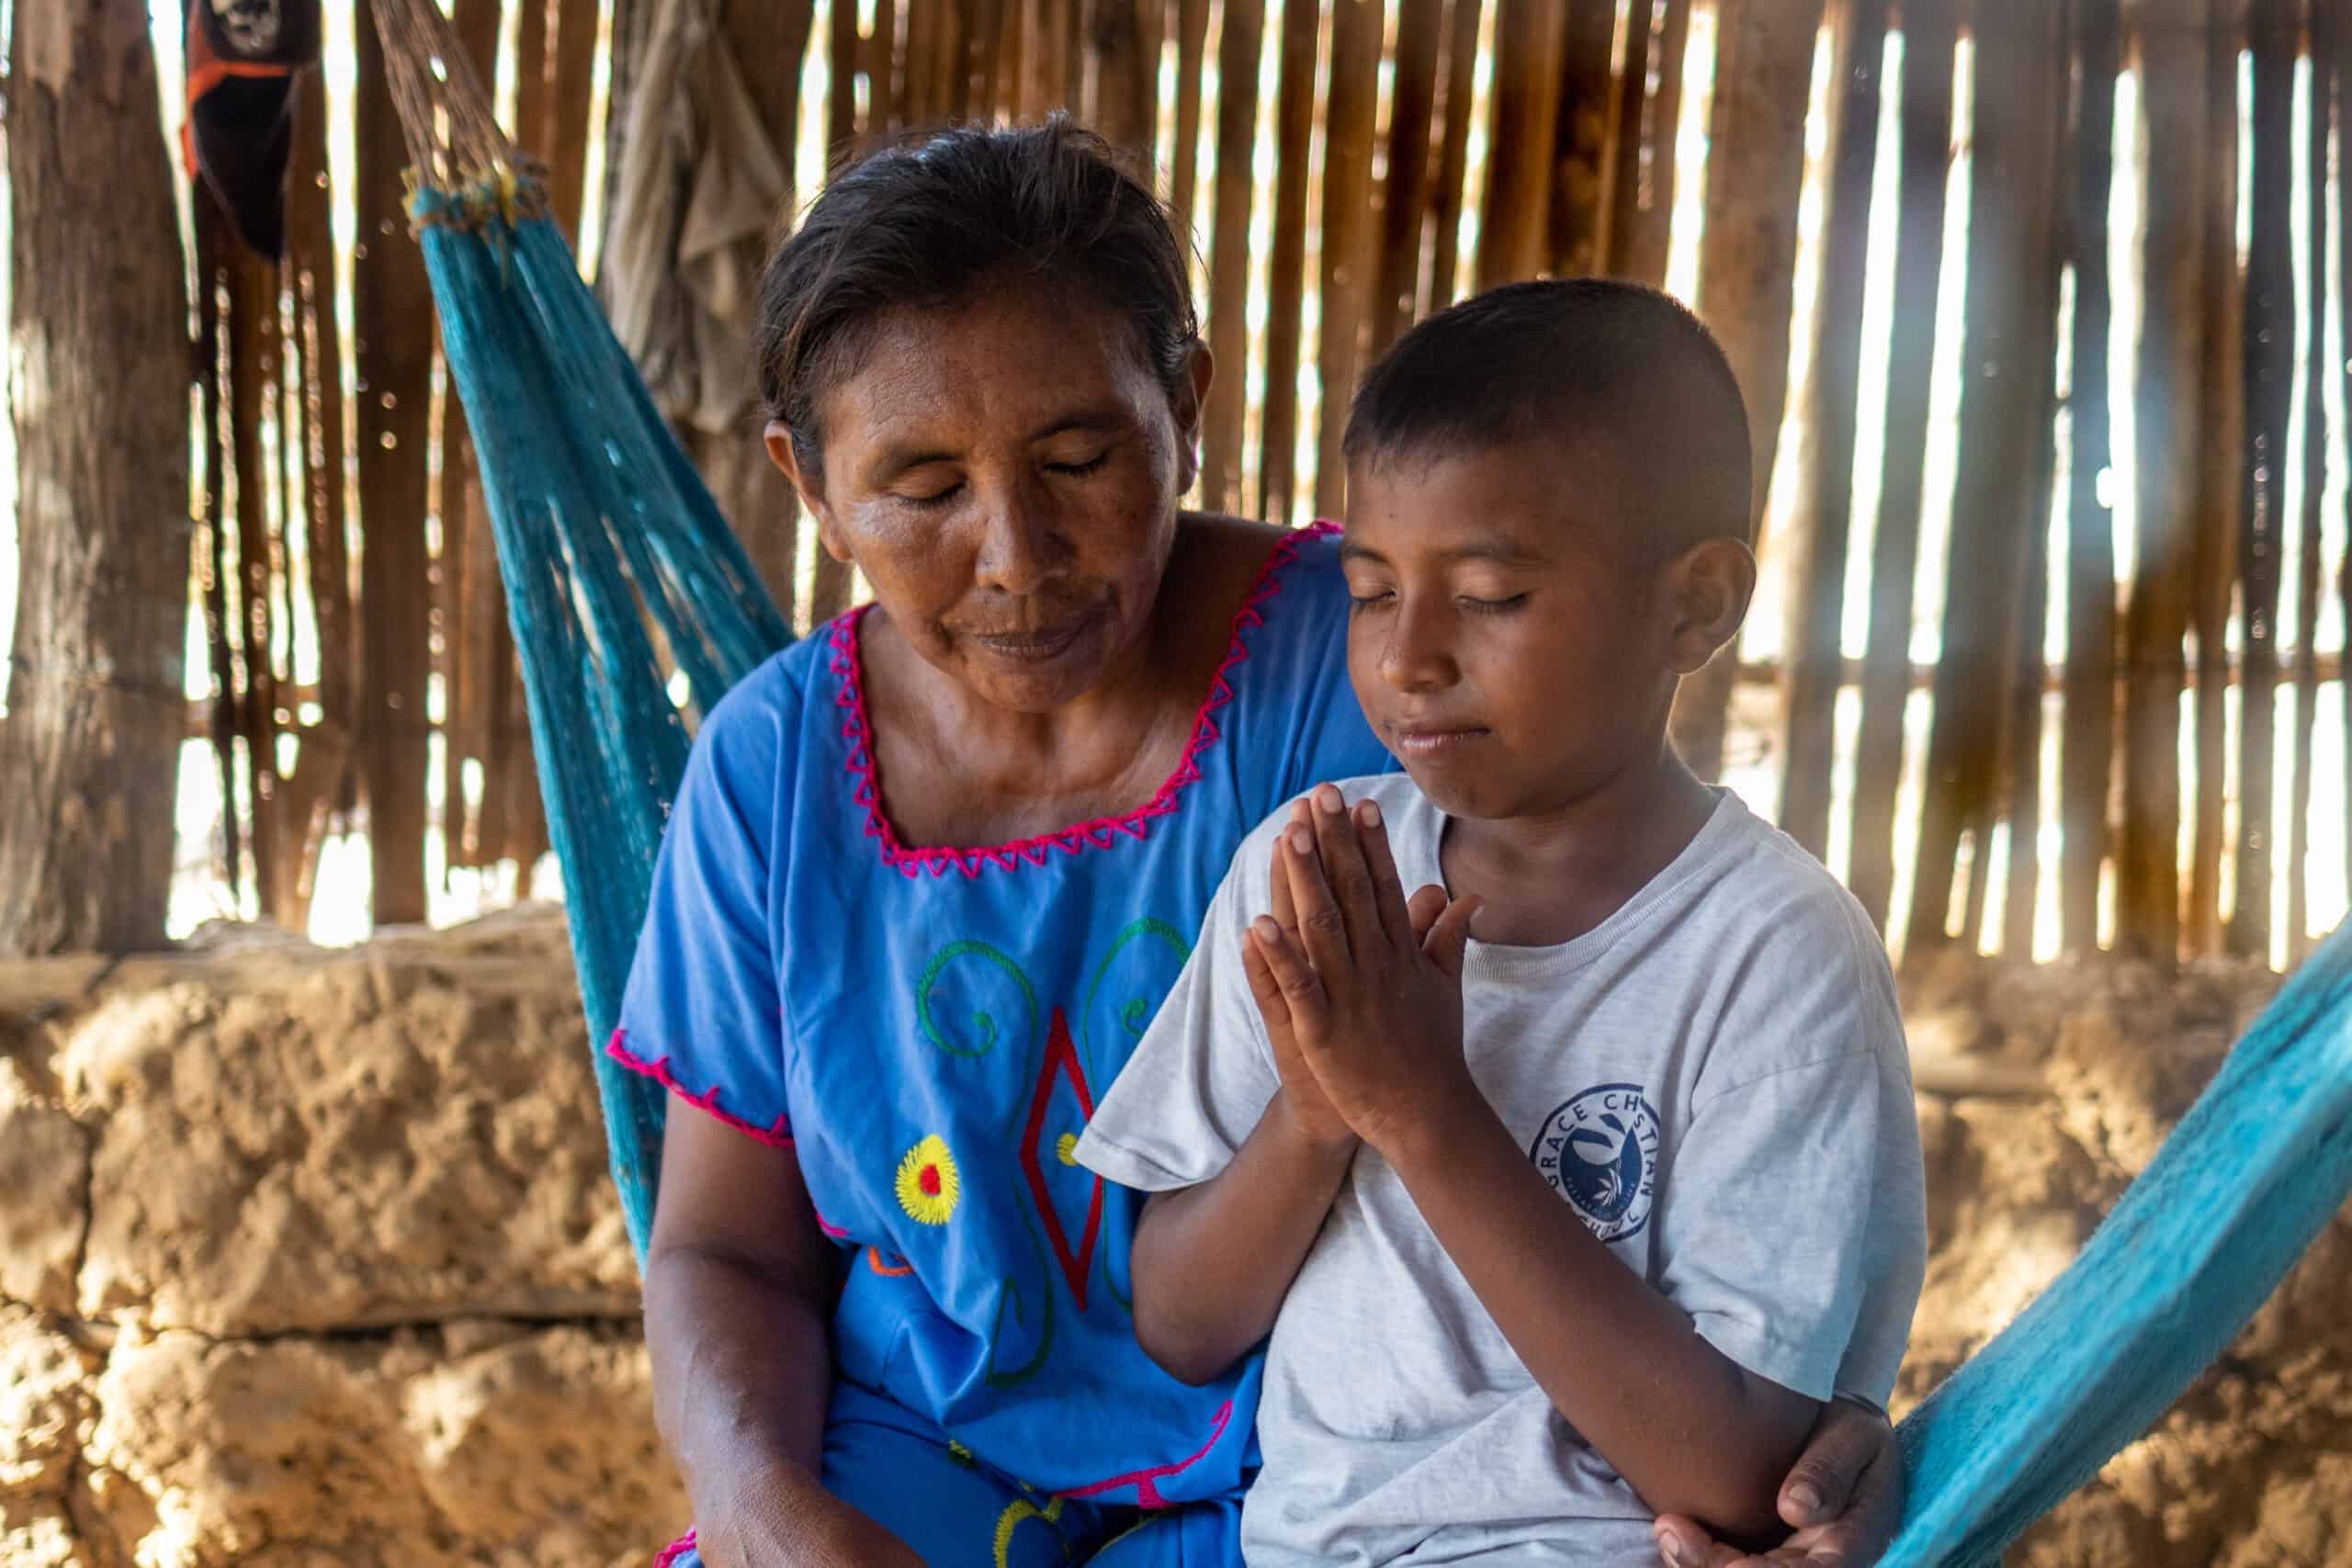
x,y
982,1023
1013,1298
1136,1012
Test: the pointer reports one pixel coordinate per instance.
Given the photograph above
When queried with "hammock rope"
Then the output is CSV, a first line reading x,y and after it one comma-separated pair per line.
x,y
607,540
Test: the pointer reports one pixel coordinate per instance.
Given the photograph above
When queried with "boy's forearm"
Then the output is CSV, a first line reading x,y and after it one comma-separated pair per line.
x,y
1693,1432
1213,1262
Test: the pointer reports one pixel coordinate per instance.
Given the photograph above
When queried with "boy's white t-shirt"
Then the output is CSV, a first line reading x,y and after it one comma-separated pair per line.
x,y
1714,1078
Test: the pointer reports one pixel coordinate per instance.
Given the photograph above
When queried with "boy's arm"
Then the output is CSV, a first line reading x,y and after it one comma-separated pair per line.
x,y
1377,1014
1213,1262
1694,1432
1227,1227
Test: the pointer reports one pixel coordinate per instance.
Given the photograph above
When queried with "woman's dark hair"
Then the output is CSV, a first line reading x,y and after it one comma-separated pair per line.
x,y
927,223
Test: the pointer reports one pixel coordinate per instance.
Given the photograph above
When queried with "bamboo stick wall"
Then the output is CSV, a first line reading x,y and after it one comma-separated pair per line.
x,y
2051,493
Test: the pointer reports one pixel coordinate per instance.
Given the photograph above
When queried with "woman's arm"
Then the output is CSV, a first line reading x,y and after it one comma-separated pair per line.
x,y
738,1284
1213,1262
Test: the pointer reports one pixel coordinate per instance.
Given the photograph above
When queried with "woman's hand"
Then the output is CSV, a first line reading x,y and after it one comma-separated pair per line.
x,y
1373,993
808,1529
1844,1500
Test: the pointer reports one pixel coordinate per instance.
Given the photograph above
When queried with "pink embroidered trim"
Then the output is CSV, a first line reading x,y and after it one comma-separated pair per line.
x,y
1101,833
1147,1482
778,1135
675,1549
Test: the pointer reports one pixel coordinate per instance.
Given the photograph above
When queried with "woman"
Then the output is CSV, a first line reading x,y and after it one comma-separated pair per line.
x,y
887,1312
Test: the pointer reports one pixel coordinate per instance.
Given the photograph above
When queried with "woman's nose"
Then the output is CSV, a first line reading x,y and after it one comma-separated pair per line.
x,y
1022,544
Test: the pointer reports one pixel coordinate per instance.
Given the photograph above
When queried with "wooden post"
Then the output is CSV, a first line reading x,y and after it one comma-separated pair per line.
x,y
1287,282
99,322
1650,107
2178,138
770,41
1928,49
2087,757
1191,58
2274,35
571,80
2340,37
533,74
1586,158
212,548
465,560
1453,161
1350,228
1122,65
2021,732
2325,23
842,64
324,768
395,359
1514,231
253,370
926,39
1747,259
1404,203
1816,614
1237,135
2019,57
2210,560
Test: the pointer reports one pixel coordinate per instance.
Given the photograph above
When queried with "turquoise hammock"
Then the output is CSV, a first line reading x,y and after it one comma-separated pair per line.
x,y
605,531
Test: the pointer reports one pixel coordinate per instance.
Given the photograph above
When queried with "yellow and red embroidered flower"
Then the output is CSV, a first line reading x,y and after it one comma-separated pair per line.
x,y
928,1184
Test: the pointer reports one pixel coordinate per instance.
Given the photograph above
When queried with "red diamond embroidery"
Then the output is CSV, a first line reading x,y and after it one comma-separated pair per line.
x,y
1061,1060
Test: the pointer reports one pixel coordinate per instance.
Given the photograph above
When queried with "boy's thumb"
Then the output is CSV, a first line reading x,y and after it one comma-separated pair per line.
x,y
1451,934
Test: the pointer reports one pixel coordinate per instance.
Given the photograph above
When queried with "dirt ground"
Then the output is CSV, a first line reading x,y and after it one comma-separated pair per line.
x,y
307,1258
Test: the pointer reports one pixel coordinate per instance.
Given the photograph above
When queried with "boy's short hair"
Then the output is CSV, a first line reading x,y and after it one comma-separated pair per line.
x,y
1625,374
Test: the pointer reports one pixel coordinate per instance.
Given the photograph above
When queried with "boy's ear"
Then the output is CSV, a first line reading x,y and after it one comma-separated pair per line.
x,y
808,483
1708,588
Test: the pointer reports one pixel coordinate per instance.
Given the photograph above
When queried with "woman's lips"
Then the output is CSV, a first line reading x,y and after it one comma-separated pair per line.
x,y
1035,646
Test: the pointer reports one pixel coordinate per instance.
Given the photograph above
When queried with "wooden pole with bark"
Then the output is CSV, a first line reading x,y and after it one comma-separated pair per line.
x,y
2324,22
1301,22
2274,34
98,384
1747,258
2004,415
2087,759
1586,158
2205,563
1228,324
1816,615
2182,183
1925,156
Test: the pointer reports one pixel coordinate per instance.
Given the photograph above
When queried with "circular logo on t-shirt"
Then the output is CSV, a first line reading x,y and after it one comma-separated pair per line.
x,y
1599,1151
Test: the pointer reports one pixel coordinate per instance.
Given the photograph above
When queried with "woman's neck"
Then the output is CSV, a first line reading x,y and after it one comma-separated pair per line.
x,y
959,770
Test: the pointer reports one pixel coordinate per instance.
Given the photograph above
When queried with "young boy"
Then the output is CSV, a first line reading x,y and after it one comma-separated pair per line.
x,y
1569,1188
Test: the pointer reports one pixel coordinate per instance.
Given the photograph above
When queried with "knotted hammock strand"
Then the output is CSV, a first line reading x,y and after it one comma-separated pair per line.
x,y
606,538
608,541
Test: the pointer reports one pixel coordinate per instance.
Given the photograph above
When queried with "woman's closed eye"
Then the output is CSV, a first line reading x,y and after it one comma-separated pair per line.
x,y
1079,469
933,499
1504,607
